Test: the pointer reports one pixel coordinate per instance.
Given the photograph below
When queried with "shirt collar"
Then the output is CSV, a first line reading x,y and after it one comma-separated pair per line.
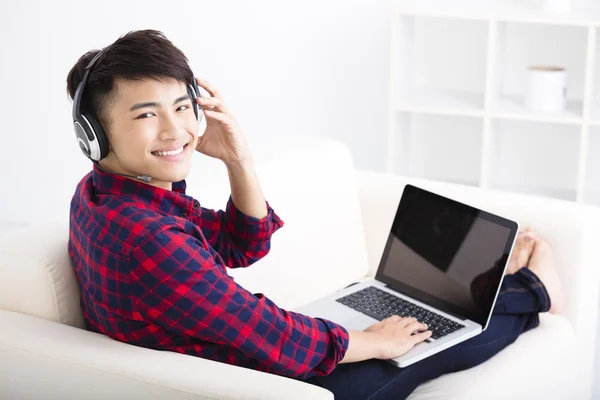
x,y
167,202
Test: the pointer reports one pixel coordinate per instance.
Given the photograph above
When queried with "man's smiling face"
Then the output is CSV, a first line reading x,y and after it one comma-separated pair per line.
x,y
152,130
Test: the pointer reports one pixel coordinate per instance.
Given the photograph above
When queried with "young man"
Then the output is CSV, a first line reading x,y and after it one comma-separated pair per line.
x,y
151,262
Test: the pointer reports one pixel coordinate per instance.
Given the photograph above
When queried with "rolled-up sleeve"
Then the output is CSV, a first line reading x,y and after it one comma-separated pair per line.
x,y
240,239
176,284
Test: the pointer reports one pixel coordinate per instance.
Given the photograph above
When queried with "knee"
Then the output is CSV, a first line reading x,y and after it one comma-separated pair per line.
x,y
532,322
501,328
472,356
499,334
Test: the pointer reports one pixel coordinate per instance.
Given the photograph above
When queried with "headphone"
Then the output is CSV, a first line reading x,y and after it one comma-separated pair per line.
x,y
91,137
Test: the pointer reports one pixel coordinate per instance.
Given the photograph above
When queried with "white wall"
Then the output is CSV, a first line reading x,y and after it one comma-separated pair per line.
x,y
315,67
285,68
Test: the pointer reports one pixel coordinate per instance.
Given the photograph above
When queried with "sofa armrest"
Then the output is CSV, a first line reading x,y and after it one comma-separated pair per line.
x,y
45,359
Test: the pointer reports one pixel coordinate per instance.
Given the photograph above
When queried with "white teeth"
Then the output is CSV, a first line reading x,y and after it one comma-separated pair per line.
x,y
168,153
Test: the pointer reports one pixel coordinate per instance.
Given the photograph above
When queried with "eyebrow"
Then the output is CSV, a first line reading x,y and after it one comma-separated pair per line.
x,y
156,104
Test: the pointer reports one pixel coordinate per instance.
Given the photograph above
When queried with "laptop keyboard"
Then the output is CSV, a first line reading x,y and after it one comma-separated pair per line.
x,y
379,304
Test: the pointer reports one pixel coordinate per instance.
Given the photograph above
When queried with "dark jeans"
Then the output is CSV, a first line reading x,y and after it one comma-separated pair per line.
x,y
522,296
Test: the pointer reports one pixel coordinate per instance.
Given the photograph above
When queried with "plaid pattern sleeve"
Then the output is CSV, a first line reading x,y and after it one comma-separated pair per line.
x,y
178,287
240,239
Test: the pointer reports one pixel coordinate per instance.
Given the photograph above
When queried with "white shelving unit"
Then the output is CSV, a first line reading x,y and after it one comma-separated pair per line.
x,y
592,189
456,113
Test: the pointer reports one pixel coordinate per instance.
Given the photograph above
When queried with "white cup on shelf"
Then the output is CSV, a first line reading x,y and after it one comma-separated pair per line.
x,y
546,88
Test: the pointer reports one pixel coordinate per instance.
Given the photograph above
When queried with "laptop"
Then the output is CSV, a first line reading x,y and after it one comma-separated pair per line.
x,y
443,264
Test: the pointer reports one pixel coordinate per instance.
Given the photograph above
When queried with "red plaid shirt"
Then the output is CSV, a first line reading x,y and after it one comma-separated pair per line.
x,y
151,267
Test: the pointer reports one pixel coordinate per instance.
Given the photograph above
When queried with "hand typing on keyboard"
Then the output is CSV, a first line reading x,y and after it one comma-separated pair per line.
x,y
397,335
402,325
379,304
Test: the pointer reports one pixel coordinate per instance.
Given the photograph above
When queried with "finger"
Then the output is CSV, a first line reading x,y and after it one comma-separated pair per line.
x,y
419,337
407,321
219,116
416,327
212,103
213,91
390,319
386,321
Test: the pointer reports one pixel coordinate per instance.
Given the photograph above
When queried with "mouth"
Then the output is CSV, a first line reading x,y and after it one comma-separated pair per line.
x,y
171,155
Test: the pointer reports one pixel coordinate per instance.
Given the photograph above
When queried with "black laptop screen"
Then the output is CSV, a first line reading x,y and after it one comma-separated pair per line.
x,y
446,254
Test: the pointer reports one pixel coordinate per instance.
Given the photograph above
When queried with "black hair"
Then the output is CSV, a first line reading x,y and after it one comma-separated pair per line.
x,y
136,55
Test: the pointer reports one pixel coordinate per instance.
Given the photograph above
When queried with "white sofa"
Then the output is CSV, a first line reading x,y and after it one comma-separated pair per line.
x,y
336,222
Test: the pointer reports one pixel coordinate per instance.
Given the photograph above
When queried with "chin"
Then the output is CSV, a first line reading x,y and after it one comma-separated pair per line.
x,y
174,176
174,172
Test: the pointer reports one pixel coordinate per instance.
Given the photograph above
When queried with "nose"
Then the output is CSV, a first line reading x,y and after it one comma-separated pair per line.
x,y
171,127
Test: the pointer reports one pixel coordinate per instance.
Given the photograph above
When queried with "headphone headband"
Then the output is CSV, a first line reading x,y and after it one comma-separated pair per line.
x,y
79,92
96,57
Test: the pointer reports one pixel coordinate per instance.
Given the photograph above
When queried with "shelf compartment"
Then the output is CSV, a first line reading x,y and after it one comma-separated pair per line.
x,y
518,46
439,64
436,101
438,147
591,185
512,107
595,114
595,82
535,157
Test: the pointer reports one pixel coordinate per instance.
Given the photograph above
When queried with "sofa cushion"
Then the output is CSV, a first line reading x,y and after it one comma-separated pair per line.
x,y
533,357
36,275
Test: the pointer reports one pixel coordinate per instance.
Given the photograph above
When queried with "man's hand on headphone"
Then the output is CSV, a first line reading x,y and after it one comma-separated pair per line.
x,y
223,138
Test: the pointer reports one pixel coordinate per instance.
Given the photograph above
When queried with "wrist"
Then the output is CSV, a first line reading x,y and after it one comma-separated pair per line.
x,y
377,345
362,346
238,165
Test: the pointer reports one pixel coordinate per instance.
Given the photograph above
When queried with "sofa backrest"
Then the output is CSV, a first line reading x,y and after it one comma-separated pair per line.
x,y
36,275
309,182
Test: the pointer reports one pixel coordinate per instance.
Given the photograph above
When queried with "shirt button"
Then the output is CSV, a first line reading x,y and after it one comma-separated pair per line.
x,y
183,215
196,205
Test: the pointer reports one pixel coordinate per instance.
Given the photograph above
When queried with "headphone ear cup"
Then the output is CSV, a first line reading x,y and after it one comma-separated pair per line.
x,y
194,92
100,136
98,143
81,129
